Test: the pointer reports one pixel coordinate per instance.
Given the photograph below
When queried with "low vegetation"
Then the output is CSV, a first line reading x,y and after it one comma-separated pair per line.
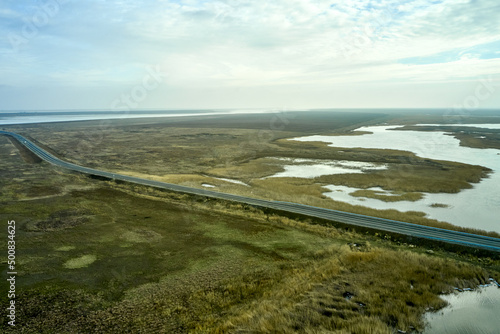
x,y
391,197
151,261
161,151
97,256
468,135
439,205
446,177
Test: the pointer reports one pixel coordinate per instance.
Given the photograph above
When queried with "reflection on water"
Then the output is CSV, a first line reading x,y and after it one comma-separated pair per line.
x,y
311,168
469,312
35,117
476,207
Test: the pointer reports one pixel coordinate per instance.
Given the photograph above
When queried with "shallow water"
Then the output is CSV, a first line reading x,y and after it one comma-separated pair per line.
x,y
468,312
478,207
30,117
484,126
311,168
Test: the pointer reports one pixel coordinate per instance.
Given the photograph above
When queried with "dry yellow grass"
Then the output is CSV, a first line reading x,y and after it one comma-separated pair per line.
x,y
219,267
357,289
448,178
253,169
392,197
222,268
305,191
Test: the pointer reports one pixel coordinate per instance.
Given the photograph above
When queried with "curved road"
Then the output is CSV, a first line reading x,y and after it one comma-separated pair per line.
x,y
414,230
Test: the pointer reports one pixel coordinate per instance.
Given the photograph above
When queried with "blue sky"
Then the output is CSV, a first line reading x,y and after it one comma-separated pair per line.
x,y
489,50
166,54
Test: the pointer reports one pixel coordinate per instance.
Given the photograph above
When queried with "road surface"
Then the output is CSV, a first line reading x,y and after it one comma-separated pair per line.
x,y
392,226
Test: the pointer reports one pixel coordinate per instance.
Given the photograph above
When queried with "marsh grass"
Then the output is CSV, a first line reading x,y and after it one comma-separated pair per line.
x,y
218,267
161,152
447,178
151,261
336,293
234,153
439,205
468,136
393,197
310,191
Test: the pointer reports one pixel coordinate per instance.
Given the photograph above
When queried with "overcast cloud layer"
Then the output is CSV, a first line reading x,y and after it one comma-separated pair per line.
x,y
170,54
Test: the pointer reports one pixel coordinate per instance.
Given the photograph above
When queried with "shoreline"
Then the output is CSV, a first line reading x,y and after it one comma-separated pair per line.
x,y
113,115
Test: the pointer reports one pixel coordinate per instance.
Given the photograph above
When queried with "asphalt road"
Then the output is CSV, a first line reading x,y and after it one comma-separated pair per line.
x,y
414,230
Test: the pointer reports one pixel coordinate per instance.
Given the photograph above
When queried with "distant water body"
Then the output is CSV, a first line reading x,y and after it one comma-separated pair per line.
x,y
48,116
34,117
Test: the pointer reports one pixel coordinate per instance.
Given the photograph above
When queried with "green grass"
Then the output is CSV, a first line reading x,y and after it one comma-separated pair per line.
x,y
80,262
96,256
336,293
149,261
132,242
445,177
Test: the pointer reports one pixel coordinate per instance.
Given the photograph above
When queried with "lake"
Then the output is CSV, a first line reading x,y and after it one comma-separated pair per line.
x,y
30,117
468,312
477,207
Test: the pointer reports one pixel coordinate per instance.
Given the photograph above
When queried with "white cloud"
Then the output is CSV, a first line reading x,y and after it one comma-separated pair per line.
x,y
239,44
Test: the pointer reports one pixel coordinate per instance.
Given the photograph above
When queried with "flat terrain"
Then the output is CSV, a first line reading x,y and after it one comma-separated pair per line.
x,y
96,256
197,151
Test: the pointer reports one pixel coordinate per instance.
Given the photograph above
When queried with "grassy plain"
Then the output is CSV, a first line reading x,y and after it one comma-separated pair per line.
x,y
95,256
195,151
